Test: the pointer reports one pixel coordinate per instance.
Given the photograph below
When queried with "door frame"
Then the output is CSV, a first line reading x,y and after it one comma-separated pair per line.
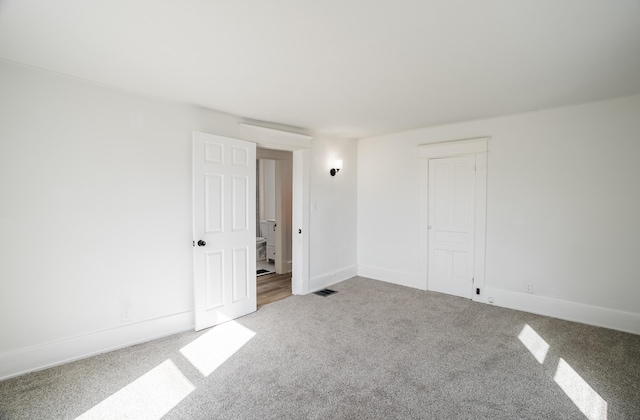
x,y
479,148
300,146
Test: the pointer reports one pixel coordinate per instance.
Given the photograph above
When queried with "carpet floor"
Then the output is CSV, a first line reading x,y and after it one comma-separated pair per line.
x,y
371,351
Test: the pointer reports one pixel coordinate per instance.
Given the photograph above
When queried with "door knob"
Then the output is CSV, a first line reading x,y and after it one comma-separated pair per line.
x,y
201,243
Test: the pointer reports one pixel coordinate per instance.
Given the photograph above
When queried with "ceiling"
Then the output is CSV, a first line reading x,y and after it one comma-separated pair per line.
x,y
351,68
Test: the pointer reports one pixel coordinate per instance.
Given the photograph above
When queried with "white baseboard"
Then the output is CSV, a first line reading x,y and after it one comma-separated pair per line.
x,y
570,311
326,280
42,356
29,359
390,276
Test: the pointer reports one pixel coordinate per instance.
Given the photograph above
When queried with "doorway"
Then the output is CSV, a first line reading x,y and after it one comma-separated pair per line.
x,y
265,217
274,183
300,147
224,177
273,225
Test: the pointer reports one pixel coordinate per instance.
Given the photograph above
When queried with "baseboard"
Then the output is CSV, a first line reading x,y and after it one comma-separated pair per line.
x,y
326,280
390,276
38,357
42,356
570,311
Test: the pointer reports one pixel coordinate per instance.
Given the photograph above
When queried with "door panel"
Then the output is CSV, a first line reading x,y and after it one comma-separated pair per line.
x,y
451,212
214,278
223,200
239,205
213,202
240,275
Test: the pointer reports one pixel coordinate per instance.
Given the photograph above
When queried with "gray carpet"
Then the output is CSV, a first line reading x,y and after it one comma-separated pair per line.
x,y
372,350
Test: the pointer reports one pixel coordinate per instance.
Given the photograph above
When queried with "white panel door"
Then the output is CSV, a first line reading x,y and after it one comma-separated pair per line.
x,y
451,225
224,228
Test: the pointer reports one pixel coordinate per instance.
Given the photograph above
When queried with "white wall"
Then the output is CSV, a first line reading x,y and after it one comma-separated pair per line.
x,y
269,189
333,220
563,209
95,216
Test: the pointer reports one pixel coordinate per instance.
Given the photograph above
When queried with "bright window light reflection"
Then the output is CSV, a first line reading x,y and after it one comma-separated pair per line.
x,y
151,396
207,352
583,396
534,343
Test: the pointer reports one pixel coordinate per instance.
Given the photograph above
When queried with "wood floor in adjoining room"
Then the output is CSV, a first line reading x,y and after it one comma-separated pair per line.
x,y
273,287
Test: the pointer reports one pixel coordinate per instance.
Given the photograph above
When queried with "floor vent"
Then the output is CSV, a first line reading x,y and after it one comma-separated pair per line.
x,y
262,272
324,292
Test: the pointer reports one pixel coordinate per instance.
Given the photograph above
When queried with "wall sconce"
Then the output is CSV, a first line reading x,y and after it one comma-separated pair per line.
x,y
337,166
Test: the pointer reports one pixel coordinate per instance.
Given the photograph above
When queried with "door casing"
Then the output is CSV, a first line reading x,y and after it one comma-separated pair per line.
x,y
479,148
300,145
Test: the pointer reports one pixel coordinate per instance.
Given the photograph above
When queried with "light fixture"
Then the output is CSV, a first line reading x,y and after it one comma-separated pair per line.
x,y
337,166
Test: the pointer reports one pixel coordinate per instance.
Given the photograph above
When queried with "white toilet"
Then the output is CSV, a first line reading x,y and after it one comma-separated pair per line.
x,y
261,249
261,242
263,229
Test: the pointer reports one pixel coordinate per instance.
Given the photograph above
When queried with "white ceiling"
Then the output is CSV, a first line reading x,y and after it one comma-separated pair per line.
x,y
352,68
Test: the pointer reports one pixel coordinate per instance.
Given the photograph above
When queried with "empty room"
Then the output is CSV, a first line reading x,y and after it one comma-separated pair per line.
x,y
444,198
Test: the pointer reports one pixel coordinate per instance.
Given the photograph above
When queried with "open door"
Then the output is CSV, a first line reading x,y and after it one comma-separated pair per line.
x,y
224,231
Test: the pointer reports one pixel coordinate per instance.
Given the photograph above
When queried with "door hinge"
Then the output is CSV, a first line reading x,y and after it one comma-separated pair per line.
x,y
477,290
473,280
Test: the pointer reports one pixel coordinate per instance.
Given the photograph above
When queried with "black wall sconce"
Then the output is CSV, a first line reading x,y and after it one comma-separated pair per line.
x,y
337,166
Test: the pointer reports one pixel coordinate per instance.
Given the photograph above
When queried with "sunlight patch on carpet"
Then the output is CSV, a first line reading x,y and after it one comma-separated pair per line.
x,y
151,396
207,352
578,390
534,343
